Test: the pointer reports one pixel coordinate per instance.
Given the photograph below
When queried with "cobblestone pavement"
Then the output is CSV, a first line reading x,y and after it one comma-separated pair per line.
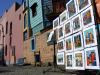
x,y
30,70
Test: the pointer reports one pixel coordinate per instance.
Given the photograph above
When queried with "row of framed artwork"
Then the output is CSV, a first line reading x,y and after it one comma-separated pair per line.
x,y
75,42
83,20
85,59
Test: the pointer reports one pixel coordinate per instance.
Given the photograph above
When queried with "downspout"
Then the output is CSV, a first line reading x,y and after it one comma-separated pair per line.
x,y
28,11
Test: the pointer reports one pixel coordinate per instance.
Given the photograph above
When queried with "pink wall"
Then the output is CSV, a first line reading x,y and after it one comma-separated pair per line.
x,y
17,32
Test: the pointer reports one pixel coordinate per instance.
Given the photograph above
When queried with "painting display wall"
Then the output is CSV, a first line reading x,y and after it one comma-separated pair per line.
x,y
56,23
83,4
68,28
87,17
92,58
63,17
69,61
79,60
60,32
90,38
71,8
60,45
78,41
68,44
60,58
76,23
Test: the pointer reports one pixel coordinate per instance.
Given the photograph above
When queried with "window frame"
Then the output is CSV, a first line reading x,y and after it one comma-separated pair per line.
x,y
32,44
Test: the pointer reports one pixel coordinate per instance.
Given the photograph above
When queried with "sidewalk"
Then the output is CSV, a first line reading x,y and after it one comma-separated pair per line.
x,y
30,70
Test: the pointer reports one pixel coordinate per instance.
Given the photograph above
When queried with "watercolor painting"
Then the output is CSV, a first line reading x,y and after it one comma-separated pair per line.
x,y
68,44
60,58
63,17
68,28
91,56
79,60
83,4
90,36
60,32
56,23
76,23
78,41
69,61
60,45
87,17
71,7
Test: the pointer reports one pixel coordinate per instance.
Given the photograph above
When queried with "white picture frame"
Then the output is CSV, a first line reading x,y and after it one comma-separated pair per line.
x,y
78,41
85,5
67,31
55,23
69,61
87,19
60,45
69,44
60,58
76,20
79,60
89,35
63,16
60,32
69,11
91,58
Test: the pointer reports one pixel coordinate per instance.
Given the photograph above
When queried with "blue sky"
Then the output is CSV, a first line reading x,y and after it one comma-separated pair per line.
x,y
6,4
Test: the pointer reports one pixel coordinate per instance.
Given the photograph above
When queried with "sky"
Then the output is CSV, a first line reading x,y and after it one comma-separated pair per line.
x,y
6,4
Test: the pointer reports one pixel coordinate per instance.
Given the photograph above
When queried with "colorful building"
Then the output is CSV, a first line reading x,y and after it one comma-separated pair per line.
x,y
12,21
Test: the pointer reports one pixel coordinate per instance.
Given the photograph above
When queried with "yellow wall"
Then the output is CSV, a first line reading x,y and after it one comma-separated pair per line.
x,y
27,21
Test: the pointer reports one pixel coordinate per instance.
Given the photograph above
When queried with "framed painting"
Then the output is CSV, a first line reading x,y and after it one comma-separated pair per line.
x,y
90,38
67,28
83,4
68,44
60,45
60,58
56,23
60,32
63,17
79,60
69,61
78,41
71,8
92,58
87,17
76,23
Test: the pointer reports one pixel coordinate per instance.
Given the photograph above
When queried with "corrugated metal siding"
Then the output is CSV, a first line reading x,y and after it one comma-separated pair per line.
x,y
37,20
37,28
48,3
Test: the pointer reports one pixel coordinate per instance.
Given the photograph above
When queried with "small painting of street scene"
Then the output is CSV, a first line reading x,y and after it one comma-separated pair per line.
x,y
82,3
55,23
67,28
60,58
89,36
71,8
91,58
69,61
63,17
78,60
60,45
77,41
60,32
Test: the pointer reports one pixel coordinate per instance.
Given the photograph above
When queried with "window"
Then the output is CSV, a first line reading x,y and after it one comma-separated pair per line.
x,y
10,40
0,34
25,21
33,7
25,35
6,50
33,44
6,27
19,16
11,25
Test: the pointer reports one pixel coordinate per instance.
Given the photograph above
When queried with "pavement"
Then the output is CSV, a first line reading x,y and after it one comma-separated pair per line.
x,y
31,70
